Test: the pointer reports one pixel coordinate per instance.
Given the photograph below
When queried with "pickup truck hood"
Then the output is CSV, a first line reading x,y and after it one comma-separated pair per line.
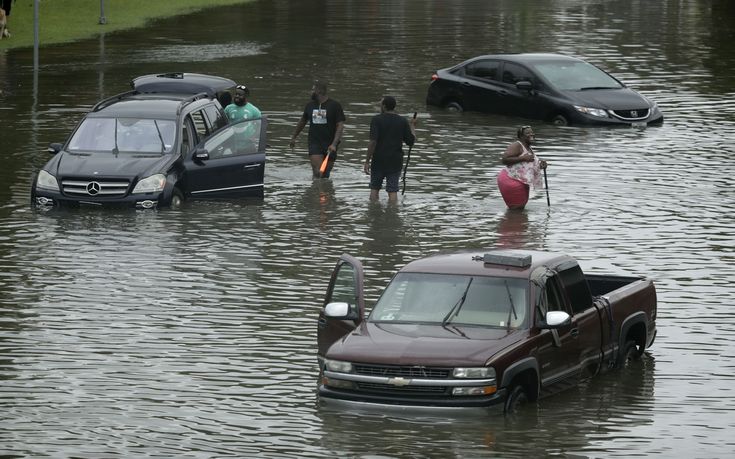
x,y
123,165
427,345
612,99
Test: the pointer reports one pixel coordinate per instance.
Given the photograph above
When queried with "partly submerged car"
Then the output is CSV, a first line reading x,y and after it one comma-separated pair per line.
x,y
551,87
166,140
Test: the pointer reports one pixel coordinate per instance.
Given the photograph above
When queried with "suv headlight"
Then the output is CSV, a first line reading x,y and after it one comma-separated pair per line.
x,y
152,184
592,111
338,366
474,373
47,181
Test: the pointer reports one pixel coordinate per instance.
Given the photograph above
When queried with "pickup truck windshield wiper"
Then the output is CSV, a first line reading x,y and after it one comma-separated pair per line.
x,y
455,309
512,306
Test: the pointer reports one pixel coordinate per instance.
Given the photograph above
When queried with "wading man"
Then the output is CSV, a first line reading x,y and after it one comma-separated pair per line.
x,y
326,122
388,132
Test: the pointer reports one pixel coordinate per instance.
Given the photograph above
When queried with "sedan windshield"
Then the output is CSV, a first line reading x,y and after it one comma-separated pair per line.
x,y
453,299
575,76
113,135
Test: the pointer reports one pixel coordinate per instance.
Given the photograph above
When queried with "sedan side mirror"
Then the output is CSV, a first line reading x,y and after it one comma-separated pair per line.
x,y
556,319
54,148
524,86
201,154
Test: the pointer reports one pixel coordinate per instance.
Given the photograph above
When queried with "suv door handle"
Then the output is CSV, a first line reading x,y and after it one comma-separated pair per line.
x,y
574,332
251,166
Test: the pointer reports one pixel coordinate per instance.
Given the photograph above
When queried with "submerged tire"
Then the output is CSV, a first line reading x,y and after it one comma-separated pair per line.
x,y
454,107
629,354
517,397
177,199
560,120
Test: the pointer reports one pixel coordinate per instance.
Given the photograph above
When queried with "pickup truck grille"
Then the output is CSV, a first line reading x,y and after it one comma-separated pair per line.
x,y
403,390
101,188
402,372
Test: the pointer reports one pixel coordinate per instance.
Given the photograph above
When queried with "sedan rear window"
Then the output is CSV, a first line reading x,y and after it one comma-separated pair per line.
x,y
453,299
575,76
108,135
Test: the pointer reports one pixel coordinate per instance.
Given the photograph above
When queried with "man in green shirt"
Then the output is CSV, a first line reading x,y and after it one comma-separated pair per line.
x,y
240,108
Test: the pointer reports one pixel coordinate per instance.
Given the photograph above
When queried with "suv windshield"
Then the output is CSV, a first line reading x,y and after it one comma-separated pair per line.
x,y
111,135
453,299
575,76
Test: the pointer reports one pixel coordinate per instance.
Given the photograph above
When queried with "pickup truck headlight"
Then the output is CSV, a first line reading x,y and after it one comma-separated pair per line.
x,y
152,184
338,366
474,373
592,111
47,181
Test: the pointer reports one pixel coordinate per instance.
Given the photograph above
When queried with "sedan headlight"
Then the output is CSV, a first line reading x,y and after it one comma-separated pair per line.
x,y
152,184
338,366
474,373
47,181
602,113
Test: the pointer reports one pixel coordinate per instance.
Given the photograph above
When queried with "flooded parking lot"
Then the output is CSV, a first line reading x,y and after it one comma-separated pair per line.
x,y
192,332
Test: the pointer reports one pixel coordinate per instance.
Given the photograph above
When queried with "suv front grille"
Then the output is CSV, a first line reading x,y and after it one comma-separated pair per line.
x,y
403,372
92,188
632,115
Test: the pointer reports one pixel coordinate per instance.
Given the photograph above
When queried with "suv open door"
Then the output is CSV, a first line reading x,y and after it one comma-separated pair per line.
x,y
344,305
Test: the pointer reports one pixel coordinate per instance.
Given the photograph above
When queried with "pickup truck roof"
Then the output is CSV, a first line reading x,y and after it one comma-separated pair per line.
x,y
473,263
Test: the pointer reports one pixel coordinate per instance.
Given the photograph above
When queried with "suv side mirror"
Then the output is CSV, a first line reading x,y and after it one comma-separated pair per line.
x,y
201,154
556,319
54,148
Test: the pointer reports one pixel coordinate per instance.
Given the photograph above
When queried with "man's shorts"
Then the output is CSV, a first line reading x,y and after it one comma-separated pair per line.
x,y
391,180
318,149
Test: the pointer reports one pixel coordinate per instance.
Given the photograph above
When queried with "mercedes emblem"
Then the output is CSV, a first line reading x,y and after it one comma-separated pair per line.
x,y
93,188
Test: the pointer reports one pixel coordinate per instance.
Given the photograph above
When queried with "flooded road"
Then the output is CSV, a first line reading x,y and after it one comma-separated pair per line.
x,y
192,332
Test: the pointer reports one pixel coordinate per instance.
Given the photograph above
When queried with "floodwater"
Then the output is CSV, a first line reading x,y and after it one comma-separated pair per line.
x,y
192,332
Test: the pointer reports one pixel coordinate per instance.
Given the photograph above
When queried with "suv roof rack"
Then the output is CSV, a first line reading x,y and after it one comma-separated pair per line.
x,y
190,99
110,100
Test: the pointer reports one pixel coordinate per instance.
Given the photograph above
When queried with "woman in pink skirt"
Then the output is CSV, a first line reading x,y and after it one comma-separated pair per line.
x,y
523,170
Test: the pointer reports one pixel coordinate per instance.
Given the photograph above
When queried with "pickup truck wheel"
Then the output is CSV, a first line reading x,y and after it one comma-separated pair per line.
x,y
517,397
629,355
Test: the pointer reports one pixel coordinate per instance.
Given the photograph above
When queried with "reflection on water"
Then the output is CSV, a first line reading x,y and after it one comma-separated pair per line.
x,y
191,332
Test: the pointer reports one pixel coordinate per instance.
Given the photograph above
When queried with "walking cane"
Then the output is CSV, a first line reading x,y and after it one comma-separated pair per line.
x,y
546,183
408,158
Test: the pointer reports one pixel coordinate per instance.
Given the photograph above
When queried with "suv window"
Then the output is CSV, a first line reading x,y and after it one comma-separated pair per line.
x,y
217,118
485,69
200,123
513,73
241,138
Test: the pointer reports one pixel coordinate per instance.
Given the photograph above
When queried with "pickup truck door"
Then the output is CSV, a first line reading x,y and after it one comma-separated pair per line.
x,y
558,354
345,286
228,163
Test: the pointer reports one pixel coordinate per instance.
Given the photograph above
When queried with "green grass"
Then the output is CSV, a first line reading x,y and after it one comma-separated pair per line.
x,y
63,21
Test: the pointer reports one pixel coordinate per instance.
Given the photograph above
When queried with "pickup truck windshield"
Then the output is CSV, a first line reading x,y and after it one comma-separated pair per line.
x,y
112,135
455,299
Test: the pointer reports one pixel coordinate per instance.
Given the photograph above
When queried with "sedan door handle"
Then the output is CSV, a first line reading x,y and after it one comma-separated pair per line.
x,y
574,332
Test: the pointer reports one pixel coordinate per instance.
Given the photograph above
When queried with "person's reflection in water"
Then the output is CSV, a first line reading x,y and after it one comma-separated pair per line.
x,y
319,199
513,229
387,235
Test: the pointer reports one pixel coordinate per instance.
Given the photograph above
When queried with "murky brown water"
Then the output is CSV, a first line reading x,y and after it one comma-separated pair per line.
x,y
191,333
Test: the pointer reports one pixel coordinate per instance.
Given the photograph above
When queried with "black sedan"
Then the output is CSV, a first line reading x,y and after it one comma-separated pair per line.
x,y
552,87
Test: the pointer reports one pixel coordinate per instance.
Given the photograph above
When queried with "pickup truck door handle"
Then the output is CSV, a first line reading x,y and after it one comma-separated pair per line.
x,y
322,322
574,332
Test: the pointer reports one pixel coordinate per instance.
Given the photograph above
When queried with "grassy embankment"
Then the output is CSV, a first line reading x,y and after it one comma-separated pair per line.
x,y
63,21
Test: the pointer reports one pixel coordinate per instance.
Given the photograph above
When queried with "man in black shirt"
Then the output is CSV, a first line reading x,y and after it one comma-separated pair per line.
x,y
388,132
326,123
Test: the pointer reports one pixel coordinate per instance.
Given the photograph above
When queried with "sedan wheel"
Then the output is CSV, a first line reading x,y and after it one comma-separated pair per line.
x,y
454,107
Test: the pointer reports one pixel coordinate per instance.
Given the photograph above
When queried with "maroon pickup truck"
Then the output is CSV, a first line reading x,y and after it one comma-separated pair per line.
x,y
475,329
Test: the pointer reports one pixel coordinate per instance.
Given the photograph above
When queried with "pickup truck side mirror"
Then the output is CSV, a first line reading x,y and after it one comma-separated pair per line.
x,y
555,319
54,148
338,310
201,154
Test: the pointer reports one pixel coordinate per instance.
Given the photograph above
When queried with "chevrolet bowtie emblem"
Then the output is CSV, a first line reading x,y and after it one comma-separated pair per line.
x,y
399,381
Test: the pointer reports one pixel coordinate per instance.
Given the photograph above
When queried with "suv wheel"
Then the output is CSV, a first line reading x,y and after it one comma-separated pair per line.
x,y
560,120
454,107
177,199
